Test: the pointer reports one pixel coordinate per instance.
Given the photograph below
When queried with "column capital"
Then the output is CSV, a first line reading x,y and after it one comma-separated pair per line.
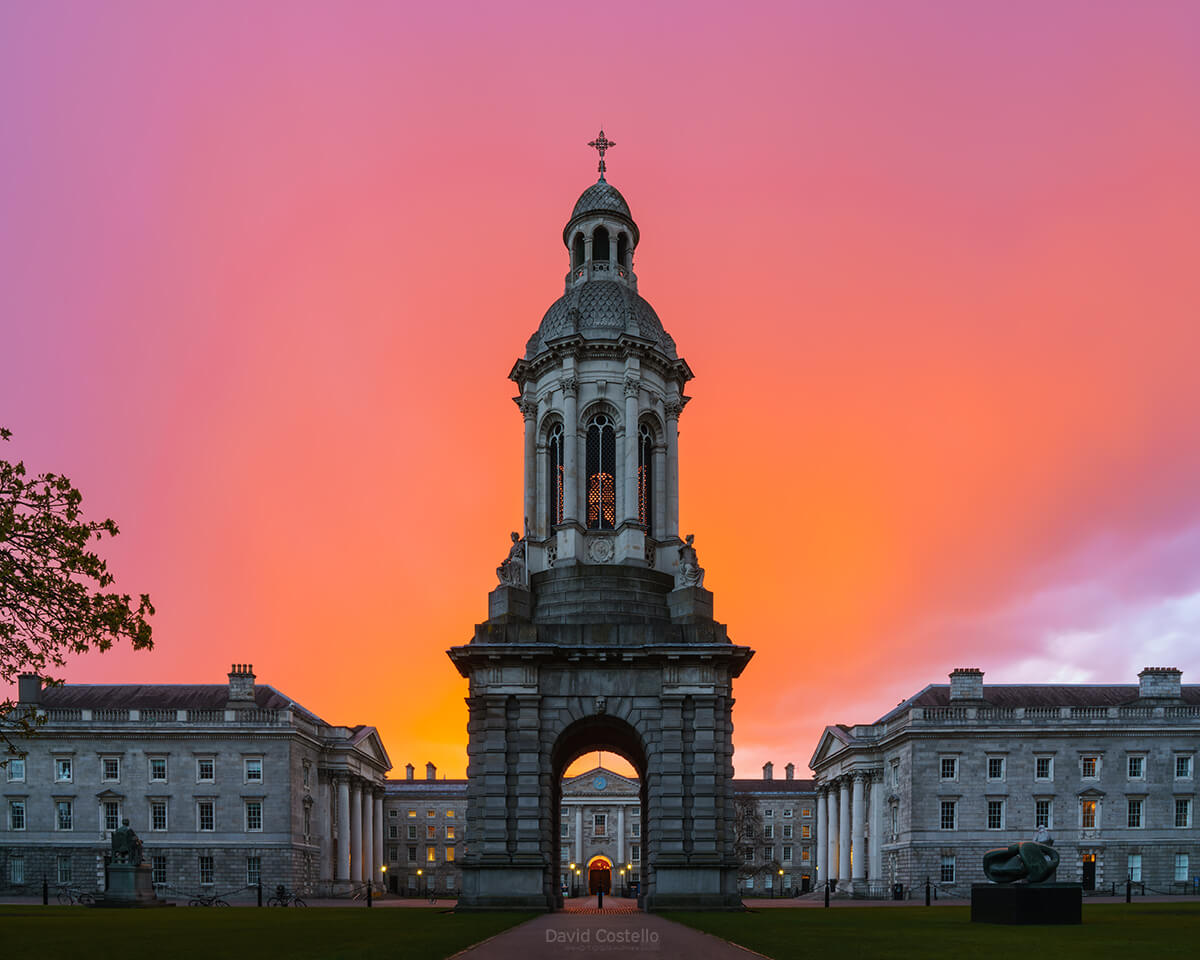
x,y
527,406
633,385
674,406
569,385
862,775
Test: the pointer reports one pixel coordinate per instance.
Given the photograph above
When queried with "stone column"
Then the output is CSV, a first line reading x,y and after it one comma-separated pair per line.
x,y
356,833
844,832
820,853
674,408
342,870
659,520
368,836
620,864
570,388
875,871
858,862
632,390
831,872
529,409
578,836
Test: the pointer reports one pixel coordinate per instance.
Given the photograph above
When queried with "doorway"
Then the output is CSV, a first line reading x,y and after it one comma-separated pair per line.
x,y
1089,871
600,876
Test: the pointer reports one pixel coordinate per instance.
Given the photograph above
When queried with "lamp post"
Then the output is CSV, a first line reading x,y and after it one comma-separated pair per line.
x,y
571,874
624,892
576,887
383,876
781,883
420,881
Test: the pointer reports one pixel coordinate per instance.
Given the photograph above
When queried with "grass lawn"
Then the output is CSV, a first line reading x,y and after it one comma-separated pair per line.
x,y
1161,931
183,933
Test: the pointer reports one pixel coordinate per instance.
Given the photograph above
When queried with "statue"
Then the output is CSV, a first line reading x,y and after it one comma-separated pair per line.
x,y
1034,861
126,846
511,573
691,574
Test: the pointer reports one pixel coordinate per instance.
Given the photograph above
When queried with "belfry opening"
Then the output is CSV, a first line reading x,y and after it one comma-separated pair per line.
x,y
600,634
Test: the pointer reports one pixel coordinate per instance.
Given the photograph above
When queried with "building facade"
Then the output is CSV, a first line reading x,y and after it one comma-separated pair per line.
x,y
776,835
961,768
225,784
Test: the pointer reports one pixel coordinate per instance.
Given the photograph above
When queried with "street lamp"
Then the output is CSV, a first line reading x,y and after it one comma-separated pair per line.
x,y
781,883
576,883
421,882
383,876
572,873
624,892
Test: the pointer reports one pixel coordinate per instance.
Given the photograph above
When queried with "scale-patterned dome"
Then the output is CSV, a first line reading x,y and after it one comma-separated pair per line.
x,y
601,310
601,197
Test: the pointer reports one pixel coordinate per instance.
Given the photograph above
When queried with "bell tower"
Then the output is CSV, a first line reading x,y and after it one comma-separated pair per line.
x,y
600,634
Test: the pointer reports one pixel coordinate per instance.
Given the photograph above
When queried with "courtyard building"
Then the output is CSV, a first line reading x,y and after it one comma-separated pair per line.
x,y
964,767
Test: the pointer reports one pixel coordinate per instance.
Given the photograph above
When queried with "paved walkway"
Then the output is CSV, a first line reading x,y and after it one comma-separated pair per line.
x,y
619,936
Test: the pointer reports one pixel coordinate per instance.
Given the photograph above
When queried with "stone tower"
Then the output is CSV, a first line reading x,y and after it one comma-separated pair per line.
x,y
601,633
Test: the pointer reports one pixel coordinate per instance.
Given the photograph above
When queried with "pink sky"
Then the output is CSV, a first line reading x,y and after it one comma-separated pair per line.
x,y
264,269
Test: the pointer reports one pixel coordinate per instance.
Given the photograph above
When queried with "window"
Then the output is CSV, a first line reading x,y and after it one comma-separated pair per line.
x,y
787,880
770,812
949,768
449,831
766,854
205,815
1042,813
431,854
749,883
206,770
895,768
995,814
635,852
599,244
16,769
62,769
307,774
449,854
63,815
1137,768
64,868
206,870
1088,814
1090,765
1043,768
804,812
1135,867
412,831
412,854
1181,867
450,814
308,824
158,814
896,820
787,853
412,813
16,814
769,832
995,768
1183,767
601,473
254,815
555,475
111,812
430,814
393,854
254,769
253,871
645,479
431,832
600,824
949,814
158,769
947,875
158,868
635,828
1135,811
16,870
804,855
393,832
1183,811
110,769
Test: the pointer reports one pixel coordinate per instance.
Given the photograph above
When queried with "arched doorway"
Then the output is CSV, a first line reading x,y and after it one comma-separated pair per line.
x,y
600,871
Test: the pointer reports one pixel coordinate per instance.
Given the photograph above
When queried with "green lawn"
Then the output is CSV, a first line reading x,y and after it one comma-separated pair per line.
x,y
1161,931
183,933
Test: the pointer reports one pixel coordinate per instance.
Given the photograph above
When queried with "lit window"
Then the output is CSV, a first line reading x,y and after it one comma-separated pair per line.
x,y
206,870
1044,768
949,768
431,813
16,815
449,854
804,812
1089,767
206,770
1042,812
995,768
205,817
254,815
63,815
600,824
412,813
16,769
555,473
450,814
995,814
431,854
158,815
1183,811
601,474
1137,768
449,831
1088,814
254,770
62,769
158,769
110,769
804,855
949,818
947,874
431,832
1135,812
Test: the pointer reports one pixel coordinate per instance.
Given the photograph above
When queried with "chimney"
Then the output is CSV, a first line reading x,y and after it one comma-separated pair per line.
x,y
430,772
790,770
768,770
29,689
408,771
241,683
1157,682
966,683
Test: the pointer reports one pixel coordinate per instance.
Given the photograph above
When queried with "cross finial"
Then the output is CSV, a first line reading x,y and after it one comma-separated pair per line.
x,y
601,143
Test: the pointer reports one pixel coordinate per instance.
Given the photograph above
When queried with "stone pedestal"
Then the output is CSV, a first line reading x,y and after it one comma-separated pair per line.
x,y
509,603
129,886
1025,903
690,605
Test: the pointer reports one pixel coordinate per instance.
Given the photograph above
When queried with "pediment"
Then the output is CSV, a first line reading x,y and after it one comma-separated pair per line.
x,y
1091,793
370,745
110,795
834,740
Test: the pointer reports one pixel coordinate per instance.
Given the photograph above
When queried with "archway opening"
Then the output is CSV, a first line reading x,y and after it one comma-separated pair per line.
x,y
599,813
600,244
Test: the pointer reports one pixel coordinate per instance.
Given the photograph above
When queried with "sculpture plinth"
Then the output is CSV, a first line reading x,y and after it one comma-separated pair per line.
x,y
1027,903
129,885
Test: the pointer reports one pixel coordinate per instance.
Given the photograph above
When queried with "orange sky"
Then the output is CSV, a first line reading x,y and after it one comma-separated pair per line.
x,y
264,270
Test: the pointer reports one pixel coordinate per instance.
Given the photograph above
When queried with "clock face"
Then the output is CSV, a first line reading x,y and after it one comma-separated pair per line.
x,y
599,783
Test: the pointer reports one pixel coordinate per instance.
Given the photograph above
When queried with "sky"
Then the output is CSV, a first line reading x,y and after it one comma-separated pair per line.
x,y
264,269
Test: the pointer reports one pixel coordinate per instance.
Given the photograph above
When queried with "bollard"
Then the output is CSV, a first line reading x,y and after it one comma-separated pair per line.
x,y
926,891
260,892
600,899
826,893
368,894
45,893
1128,890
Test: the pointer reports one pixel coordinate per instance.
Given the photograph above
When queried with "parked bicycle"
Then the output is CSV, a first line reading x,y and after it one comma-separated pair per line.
x,y
70,895
202,901
283,898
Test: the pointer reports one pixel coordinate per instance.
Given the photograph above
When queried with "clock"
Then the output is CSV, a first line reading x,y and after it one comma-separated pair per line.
x,y
599,783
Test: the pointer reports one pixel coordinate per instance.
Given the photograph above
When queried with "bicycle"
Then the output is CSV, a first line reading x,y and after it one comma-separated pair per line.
x,y
284,899
212,901
69,895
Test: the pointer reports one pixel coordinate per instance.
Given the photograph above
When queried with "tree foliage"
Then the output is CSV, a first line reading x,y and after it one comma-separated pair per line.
x,y
54,600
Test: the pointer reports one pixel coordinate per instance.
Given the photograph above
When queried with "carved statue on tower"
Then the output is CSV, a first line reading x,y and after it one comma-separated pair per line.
x,y
691,574
511,573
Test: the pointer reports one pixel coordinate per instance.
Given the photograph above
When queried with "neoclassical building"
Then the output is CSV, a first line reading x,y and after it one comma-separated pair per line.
x,y
224,783
963,767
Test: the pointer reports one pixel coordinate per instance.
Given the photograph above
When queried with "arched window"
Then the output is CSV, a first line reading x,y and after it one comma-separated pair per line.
x,y
645,476
623,250
554,475
601,473
577,251
600,244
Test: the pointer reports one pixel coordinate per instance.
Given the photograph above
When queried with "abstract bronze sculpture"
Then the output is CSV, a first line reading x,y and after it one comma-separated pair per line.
x,y
1034,861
